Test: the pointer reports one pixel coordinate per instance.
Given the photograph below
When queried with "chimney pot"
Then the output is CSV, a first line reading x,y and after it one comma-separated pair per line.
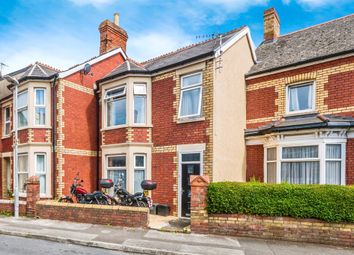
x,y
116,18
271,25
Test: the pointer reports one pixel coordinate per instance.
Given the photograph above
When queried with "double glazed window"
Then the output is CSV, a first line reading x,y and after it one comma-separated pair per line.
x,y
191,95
39,104
304,165
41,171
117,169
7,121
139,103
116,106
139,171
22,109
22,171
300,98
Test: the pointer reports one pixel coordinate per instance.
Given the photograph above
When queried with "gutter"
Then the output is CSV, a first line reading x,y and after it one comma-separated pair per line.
x,y
97,96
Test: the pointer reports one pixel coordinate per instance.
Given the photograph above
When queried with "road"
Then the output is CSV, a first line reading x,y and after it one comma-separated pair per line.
x,y
11,245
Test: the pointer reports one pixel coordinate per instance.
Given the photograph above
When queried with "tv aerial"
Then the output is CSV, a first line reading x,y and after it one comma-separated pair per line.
x,y
86,70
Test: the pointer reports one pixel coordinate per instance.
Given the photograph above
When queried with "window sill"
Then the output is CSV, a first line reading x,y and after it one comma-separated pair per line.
x,y
291,114
6,137
127,126
189,120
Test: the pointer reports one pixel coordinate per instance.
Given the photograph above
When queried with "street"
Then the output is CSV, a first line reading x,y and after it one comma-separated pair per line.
x,y
11,245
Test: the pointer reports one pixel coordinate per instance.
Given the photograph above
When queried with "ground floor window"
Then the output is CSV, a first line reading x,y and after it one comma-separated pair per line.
x,y
22,171
117,169
139,171
310,164
40,160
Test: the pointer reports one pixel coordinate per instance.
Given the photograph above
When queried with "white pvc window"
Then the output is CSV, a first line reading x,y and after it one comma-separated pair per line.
x,y
22,109
41,172
191,95
116,101
117,169
300,98
40,107
22,171
139,171
7,121
140,103
272,165
333,163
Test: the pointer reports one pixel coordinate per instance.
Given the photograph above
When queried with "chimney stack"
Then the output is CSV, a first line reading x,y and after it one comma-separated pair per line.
x,y
112,35
271,25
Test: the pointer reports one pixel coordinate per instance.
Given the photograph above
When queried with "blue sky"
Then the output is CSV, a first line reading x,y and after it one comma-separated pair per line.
x,y
62,33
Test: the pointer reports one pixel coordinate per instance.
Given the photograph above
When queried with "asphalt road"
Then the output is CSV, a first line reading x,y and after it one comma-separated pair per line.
x,y
11,245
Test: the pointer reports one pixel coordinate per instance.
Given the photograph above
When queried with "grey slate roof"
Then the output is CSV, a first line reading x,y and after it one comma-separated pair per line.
x,y
178,57
325,40
303,122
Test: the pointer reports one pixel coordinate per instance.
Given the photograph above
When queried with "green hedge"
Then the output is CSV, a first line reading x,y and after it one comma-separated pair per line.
x,y
330,203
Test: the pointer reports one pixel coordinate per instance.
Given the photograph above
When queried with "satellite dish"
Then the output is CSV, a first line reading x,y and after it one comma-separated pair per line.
x,y
86,69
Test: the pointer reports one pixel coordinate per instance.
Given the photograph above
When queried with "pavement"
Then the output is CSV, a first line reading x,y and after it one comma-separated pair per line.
x,y
145,241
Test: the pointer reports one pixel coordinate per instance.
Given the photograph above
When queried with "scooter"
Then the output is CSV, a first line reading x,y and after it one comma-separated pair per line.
x,y
140,199
80,195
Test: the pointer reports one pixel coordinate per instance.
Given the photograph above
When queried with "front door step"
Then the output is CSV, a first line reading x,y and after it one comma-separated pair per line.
x,y
169,224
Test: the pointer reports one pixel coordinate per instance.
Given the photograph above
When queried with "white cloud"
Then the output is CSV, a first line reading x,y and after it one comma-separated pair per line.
x,y
96,3
318,3
235,5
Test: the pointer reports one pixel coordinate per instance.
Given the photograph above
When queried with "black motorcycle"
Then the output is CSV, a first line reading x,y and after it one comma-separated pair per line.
x,y
140,199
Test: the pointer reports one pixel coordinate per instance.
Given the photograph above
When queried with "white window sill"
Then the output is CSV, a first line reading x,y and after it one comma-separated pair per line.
x,y
299,113
127,126
6,136
190,119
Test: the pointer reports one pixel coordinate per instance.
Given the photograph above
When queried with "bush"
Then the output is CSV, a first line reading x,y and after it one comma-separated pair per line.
x,y
330,203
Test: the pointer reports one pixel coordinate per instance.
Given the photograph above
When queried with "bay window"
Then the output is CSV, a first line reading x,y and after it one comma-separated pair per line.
x,y
22,108
300,98
191,95
22,171
320,163
117,169
139,171
6,121
116,106
40,161
39,104
139,103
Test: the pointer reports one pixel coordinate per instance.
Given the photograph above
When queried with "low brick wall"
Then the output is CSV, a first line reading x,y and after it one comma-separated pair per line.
x,y
96,214
7,206
282,228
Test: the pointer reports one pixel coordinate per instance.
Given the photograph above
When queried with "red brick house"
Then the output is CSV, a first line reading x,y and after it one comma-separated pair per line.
x,y
163,119
300,104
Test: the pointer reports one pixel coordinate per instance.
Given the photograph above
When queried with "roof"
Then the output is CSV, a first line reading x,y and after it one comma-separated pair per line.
x,y
172,59
303,122
322,41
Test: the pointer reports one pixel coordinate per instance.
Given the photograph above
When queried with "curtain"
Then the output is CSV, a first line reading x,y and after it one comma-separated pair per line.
x,y
22,100
300,152
333,167
118,176
271,172
139,176
300,98
294,100
333,151
190,102
272,154
300,172
139,109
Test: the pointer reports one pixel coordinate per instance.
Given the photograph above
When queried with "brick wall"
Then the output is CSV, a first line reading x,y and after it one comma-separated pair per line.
x,y
254,159
350,162
123,216
7,206
265,106
114,136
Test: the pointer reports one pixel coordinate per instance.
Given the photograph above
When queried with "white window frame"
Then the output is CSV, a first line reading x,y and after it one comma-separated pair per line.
x,y
112,98
45,169
145,107
6,122
22,108
140,168
287,103
321,143
43,106
118,168
23,172
191,87
271,161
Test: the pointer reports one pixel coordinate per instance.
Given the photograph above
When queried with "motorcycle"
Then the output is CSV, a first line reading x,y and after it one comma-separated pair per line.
x,y
140,199
80,195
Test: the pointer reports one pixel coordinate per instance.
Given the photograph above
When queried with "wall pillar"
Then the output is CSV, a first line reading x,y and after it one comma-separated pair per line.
x,y
199,214
32,188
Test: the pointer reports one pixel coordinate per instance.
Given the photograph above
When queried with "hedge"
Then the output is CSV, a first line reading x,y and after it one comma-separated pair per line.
x,y
330,203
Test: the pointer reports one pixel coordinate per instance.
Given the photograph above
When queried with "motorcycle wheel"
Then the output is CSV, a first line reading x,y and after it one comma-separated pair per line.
x,y
142,204
102,201
65,200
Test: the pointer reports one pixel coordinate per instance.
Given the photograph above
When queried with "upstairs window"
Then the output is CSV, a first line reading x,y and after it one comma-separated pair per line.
x,y
116,106
22,109
7,122
139,103
39,104
191,95
300,98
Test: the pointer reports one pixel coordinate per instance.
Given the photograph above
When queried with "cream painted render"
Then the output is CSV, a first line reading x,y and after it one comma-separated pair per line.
x,y
129,150
229,161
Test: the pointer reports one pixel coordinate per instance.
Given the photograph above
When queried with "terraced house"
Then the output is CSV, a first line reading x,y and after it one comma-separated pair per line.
x,y
300,104
163,119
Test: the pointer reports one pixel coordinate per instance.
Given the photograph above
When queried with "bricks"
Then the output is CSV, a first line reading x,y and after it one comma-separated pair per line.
x,y
255,156
199,214
32,189
350,162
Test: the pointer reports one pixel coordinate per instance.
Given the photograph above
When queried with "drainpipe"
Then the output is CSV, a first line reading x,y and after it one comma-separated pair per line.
x,y
97,96
54,117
